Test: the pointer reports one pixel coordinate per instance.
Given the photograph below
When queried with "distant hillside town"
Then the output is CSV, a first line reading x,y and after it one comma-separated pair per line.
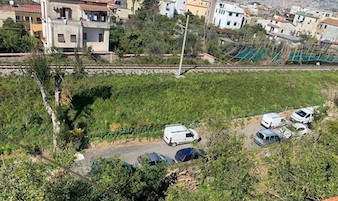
x,y
77,24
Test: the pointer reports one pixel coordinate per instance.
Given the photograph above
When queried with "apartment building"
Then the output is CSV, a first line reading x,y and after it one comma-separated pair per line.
x,y
280,25
197,7
328,30
27,14
226,15
70,25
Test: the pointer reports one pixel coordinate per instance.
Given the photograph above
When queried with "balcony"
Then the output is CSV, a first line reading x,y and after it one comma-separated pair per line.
x,y
95,24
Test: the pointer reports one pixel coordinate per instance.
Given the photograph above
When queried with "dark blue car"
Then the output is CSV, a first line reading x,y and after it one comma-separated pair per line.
x,y
188,154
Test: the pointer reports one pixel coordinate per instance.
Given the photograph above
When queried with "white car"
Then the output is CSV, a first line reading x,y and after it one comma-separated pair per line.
x,y
176,134
294,130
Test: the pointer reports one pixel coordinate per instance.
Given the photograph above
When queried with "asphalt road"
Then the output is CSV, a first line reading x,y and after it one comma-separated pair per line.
x,y
130,152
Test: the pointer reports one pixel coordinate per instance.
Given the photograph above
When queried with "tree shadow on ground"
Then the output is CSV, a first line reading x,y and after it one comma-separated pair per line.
x,y
81,105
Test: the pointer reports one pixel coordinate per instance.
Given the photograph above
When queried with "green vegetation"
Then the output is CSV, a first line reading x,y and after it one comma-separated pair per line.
x,y
110,107
14,38
303,169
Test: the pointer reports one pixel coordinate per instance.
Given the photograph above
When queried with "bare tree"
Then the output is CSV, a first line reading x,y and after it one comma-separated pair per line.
x,y
40,70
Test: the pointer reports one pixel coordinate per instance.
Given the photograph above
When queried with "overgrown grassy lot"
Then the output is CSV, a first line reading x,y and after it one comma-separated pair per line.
x,y
109,107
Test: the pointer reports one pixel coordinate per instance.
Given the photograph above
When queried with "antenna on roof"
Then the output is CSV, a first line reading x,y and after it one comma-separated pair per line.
x,y
11,2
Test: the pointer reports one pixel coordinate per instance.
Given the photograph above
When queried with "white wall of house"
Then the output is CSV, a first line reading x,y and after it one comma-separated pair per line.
x,y
167,8
328,32
65,30
228,16
180,6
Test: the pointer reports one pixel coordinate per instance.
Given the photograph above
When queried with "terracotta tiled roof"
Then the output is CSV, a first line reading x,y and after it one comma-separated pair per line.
x,y
31,8
248,11
280,20
96,1
330,21
6,8
89,7
28,8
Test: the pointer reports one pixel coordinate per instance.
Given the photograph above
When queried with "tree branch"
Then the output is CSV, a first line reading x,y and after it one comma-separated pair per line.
x,y
44,95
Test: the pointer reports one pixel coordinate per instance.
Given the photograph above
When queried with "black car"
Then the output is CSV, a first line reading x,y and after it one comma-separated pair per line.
x,y
188,154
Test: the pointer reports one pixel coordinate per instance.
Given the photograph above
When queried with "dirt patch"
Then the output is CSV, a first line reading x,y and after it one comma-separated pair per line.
x,y
122,142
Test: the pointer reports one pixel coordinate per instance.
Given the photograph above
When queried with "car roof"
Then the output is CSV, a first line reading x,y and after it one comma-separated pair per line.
x,y
186,151
176,128
267,132
272,115
153,156
298,125
308,110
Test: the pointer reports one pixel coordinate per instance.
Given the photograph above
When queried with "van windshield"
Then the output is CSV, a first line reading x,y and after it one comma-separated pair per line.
x,y
301,113
260,135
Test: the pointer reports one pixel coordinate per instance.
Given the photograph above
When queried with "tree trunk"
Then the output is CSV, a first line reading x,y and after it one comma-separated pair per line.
x,y
56,122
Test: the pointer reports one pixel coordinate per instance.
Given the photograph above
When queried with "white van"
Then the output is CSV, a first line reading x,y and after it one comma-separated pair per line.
x,y
273,120
175,134
304,115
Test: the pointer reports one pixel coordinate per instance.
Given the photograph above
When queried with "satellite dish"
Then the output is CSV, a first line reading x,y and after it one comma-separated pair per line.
x,y
11,3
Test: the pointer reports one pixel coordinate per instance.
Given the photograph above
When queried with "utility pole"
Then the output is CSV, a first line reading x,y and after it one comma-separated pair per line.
x,y
183,46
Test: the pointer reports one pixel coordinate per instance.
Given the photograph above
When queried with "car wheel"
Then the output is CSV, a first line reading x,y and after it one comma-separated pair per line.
x,y
174,144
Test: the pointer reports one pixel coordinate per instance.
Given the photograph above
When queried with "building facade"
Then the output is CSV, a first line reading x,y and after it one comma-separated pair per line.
x,y
70,25
328,30
180,6
197,7
227,15
167,8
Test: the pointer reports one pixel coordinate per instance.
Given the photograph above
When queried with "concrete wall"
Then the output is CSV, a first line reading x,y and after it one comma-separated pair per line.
x,y
93,39
73,5
67,30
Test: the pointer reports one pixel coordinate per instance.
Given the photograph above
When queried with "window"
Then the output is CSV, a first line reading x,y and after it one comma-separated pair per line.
x,y
100,37
237,14
73,38
235,23
26,19
189,135
327,15
38,19
228,22
84,36
282,31
18,18
230,14
61,38
298,16
325,26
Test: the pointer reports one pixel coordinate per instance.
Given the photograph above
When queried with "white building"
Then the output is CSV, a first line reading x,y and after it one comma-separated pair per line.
x,y
167,8
280,25
181,6
70,25
328,30
226,15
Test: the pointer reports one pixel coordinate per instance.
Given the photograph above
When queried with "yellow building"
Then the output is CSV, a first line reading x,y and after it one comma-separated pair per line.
x,y
197,7
134,5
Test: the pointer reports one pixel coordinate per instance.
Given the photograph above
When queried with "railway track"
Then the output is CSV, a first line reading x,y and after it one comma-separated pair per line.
x,y
133,69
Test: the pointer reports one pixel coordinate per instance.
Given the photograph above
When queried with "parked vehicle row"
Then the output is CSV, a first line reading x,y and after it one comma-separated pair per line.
x,y
278,128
